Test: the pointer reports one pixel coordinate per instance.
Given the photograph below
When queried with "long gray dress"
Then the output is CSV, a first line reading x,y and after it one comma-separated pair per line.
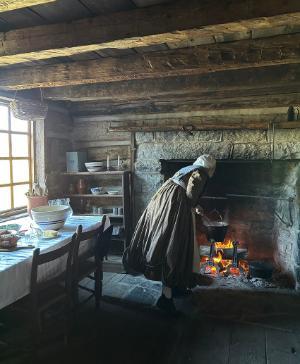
x,y
162,246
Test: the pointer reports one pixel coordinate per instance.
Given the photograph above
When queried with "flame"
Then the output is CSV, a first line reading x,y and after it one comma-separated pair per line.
x,y
223,267
210,269
218,258
235,271
224,245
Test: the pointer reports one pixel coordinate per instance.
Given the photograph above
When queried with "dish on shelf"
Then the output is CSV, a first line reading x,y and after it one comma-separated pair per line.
x,y
94,166
113,192
97,191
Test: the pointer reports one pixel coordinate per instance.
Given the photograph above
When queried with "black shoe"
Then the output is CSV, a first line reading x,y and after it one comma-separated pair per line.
x,y
167,305
177,292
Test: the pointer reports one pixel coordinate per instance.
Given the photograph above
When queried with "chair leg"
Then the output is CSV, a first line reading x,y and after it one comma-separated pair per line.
x,y
97,288
36,330
69,315
75,298
101,278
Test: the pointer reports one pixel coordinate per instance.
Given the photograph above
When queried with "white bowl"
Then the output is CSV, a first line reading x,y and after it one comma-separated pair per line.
x,y
94,169
94,166
50,217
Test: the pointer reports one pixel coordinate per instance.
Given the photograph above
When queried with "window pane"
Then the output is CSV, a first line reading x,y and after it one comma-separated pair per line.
x,y
20,171
3,117
19,145
5,198
4,146
4,173
17,124
19,195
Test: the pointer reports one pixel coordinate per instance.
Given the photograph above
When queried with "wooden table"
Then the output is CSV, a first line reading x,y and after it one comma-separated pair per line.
x,y
15,267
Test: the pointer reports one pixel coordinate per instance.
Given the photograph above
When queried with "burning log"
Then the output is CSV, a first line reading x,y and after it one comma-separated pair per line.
x,y
218,262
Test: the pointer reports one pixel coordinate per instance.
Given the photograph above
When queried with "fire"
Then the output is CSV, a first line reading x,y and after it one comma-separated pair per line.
x,y
218,265
224,245
211,269
218,258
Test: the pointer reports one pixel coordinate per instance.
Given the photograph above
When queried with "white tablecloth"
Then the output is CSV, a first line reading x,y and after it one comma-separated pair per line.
x,y
15,267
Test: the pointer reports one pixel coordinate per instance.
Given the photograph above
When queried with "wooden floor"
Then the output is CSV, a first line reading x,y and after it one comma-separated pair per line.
x,y
217,326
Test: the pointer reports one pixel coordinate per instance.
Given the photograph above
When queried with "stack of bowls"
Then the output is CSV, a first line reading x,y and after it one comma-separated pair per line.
x,y
94,166
51,217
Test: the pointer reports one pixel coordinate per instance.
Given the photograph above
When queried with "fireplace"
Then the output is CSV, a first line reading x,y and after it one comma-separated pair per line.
x,y
258,201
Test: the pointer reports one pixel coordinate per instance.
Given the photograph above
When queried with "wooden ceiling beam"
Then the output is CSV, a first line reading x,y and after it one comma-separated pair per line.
x,y
245,114
279,50
232,101
270,80
204,125
8,5
177,22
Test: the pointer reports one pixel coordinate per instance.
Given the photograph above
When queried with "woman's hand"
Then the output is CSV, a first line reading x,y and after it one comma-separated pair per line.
x,y
199,210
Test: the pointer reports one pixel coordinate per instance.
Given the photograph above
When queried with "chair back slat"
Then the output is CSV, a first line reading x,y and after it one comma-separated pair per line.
x,y
104,242
54,254
88,264
82,237
87,235
43,258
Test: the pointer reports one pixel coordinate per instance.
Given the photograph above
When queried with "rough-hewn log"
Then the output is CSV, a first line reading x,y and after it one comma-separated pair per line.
x,y
233,101
179,21
189,61
261,114
8,5
205,126
277,79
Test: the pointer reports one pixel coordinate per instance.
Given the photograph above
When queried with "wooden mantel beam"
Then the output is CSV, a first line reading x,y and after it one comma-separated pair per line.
x,y
201,103
206,126
270,80
180,21
279,50
8,5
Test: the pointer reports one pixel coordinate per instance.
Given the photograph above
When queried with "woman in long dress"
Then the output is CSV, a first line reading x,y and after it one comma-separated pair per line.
x,y
163,246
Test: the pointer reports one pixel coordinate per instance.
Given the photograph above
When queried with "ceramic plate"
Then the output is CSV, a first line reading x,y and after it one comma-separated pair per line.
x,y
50,237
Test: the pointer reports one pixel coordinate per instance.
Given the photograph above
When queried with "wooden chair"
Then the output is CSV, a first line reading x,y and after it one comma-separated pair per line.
x,y
51,291
103,246
88,264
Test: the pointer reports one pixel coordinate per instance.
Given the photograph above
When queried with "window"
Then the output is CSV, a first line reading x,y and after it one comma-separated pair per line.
x,y
15,159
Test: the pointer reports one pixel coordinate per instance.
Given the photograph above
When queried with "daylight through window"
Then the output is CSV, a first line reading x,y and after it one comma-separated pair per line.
x,y
15,159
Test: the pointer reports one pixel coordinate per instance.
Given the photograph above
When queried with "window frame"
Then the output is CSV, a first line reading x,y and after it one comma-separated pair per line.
x,y
10,158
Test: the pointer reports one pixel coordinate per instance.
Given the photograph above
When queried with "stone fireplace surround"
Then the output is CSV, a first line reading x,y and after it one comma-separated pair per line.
x,y
250,164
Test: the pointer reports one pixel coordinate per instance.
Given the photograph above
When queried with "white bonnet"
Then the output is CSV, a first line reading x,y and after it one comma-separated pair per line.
x,y
208,162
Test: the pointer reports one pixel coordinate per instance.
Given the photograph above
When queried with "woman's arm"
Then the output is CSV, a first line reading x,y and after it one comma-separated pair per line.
x,y
195,187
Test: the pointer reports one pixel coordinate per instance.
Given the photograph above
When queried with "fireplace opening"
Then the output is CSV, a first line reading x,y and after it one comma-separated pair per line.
x,y
249,235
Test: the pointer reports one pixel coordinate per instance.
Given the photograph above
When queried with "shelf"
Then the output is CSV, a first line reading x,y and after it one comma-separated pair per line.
x,y
102,173
109,215
95,196
113,180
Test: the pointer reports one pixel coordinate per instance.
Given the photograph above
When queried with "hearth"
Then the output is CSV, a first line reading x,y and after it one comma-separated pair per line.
x,y
252,241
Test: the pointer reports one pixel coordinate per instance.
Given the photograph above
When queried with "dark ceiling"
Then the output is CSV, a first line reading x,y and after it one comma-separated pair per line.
x,y
67,10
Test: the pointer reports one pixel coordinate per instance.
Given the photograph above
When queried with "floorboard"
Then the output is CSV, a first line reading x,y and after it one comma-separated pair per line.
x,y
282,348
247,345
216,326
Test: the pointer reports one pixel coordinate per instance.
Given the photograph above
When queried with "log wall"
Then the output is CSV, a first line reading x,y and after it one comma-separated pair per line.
x,y
58,126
